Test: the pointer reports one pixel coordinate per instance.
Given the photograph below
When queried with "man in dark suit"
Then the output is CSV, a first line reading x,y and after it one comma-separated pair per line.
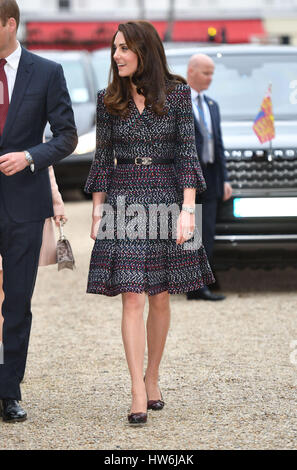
x,y
32,92
210,151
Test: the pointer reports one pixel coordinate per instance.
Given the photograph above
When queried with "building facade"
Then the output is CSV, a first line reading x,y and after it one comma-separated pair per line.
x,y
244,21
158,9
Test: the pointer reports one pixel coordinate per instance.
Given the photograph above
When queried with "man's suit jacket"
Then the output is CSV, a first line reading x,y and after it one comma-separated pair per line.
x,y
215,174
40,95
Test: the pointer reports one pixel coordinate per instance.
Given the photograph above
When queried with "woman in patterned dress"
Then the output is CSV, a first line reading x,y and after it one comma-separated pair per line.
x,y
145,156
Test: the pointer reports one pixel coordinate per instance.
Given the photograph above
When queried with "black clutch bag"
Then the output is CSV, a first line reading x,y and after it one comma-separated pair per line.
x,y
65,258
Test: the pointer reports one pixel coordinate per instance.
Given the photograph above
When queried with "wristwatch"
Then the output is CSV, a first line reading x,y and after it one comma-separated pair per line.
x,y
30,160
189,209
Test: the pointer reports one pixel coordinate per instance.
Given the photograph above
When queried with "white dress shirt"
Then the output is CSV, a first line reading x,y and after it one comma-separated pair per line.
x,y
206,111
11,68
194,95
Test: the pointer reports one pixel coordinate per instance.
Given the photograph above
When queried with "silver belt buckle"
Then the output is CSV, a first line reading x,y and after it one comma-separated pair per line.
x,y
136,161
144,161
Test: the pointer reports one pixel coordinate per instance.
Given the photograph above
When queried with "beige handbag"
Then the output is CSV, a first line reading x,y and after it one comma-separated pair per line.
x,y
65,258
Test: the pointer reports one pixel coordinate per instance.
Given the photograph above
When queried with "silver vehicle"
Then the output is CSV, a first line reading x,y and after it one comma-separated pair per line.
x,y
101,64
72,171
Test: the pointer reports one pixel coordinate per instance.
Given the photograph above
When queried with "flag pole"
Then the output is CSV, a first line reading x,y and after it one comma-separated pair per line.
x,y
270,154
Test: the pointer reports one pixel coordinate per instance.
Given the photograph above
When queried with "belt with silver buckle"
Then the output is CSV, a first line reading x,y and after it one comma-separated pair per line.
x,y
146,161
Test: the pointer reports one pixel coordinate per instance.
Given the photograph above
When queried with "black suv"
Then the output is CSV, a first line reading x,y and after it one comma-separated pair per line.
x,y
257,227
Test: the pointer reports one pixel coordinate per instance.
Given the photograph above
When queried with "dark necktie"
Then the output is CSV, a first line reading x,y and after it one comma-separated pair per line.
x,y
206,157
4,96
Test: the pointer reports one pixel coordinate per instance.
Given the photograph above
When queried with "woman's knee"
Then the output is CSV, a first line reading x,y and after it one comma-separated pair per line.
x,y
159,301
133,302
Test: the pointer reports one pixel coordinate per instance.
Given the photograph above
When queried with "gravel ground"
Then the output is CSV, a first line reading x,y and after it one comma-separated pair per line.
x,y
227,377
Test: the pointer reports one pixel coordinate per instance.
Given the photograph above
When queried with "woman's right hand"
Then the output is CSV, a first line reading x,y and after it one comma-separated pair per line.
x,y
95,227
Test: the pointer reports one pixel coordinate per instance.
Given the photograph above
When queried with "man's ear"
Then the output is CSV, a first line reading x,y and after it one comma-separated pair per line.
x,y
12,24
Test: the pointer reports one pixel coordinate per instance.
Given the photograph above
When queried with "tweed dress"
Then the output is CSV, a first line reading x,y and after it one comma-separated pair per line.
x,y
152,264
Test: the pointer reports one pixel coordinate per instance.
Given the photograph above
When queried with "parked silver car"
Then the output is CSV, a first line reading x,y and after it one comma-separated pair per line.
x,y
72,171
101,64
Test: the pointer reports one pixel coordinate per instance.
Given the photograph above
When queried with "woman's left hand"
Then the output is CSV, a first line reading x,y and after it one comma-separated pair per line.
x,y
185,227
58,218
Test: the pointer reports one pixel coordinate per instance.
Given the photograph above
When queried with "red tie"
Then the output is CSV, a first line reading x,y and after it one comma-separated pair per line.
x,y
4,96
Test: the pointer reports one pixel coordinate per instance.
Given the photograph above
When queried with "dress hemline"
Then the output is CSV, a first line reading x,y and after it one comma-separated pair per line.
x,y
109,292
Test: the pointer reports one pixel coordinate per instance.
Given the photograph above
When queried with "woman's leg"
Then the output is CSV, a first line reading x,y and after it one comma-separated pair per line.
x,y
1,302
158,323
133,333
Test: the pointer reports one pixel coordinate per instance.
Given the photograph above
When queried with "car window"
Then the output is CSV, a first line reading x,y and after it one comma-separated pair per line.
x,y
241,81
75,72
76,81
101,64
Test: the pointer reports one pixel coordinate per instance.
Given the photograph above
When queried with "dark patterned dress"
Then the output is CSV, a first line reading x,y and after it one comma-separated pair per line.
x,y
152,264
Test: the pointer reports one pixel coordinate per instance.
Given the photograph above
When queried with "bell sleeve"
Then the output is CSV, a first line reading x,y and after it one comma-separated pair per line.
x,y
102,166
188,169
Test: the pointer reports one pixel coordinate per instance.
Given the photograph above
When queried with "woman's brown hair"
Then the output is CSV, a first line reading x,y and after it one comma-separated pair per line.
x,y
152,77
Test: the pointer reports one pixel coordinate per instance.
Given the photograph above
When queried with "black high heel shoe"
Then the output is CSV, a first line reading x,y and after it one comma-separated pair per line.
x,y
137,418
156,405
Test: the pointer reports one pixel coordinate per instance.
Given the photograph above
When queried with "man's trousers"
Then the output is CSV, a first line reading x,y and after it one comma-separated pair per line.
x,y
19,247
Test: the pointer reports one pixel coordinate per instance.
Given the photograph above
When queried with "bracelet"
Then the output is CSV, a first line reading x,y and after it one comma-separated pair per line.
x,y
189,209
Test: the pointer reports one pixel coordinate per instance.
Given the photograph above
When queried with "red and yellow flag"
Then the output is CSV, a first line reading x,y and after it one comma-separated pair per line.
x,y
264,122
